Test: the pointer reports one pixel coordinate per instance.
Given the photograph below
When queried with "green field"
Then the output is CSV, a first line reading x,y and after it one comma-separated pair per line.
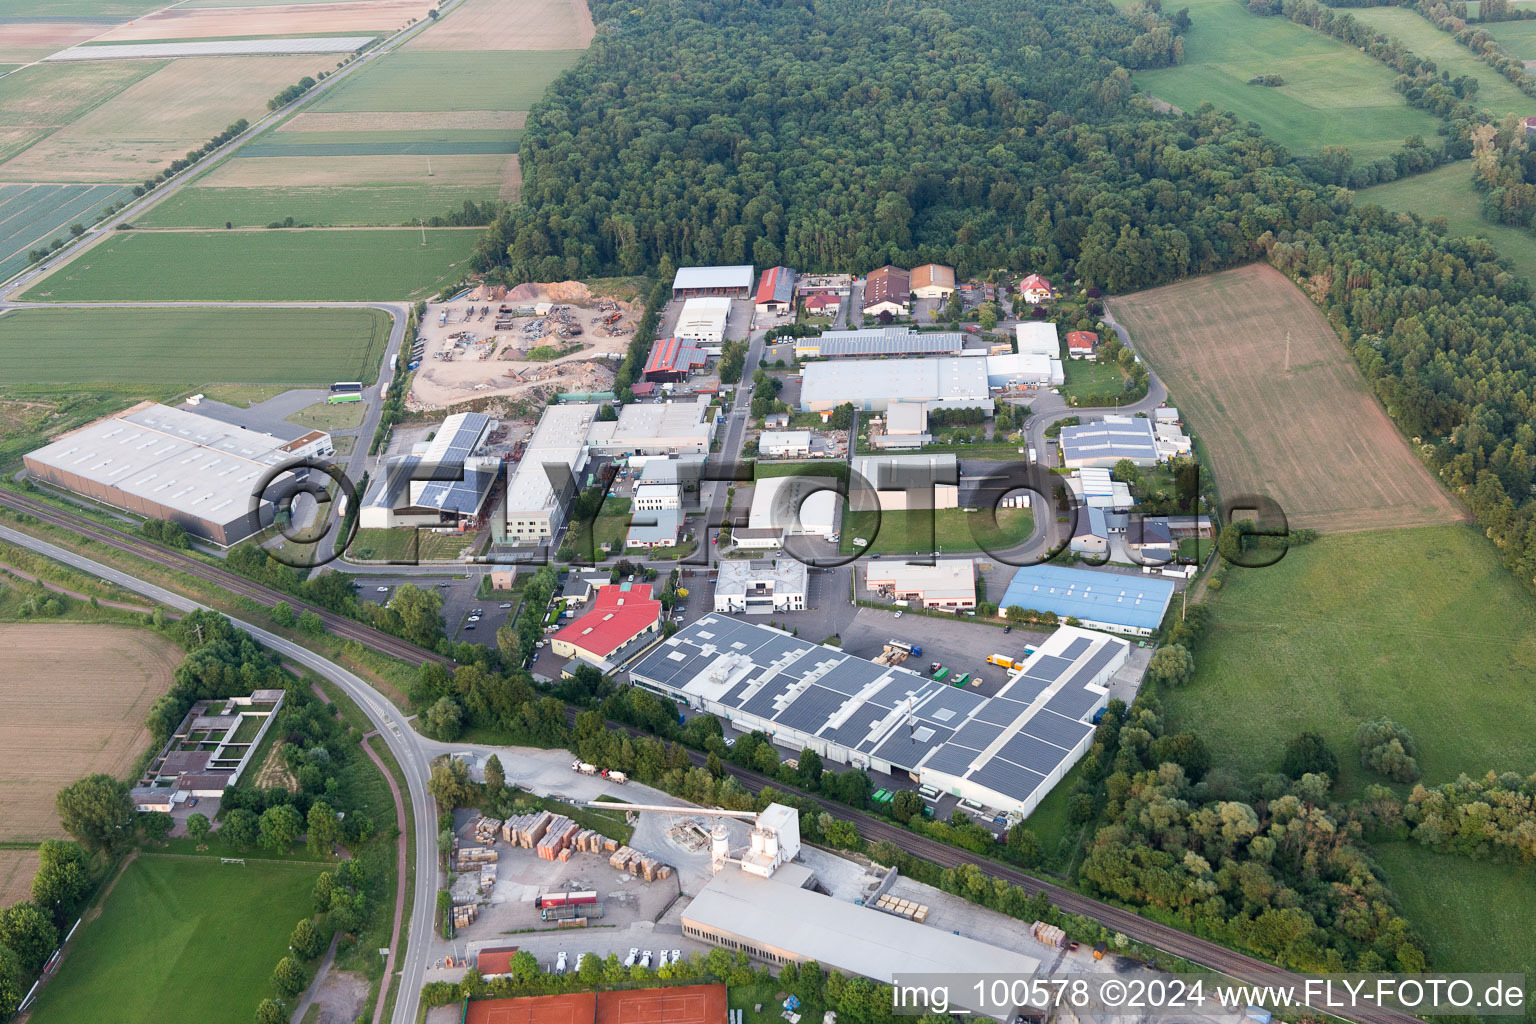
x,y
106,9
1518,38
905,533
1475,916
363,205
431,80
500,142
263,265
405,544
1089,378
1334,95
328,417
165,352
181,938
1447,192
1494,93
1420,625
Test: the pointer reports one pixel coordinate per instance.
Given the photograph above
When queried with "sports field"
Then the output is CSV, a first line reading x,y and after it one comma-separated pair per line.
x,y
343,206
136,132
1283,411
1447,192
1334,95
1422,626
74,702
166,352
32,216
1495,93
1475,916
263,265
16,870
423,80
181,938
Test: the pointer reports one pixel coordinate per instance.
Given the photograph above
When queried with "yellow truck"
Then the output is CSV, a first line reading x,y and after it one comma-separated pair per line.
x,y
1002,661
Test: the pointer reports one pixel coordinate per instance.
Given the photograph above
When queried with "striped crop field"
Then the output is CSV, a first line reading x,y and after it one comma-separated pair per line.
x,y
31,216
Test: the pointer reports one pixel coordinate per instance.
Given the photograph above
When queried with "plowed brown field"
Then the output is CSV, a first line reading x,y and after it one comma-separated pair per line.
x,y
1264,382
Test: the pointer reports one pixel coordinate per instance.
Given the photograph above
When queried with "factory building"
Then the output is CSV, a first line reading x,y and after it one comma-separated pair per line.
x,y
545,479
874,385
179,466
788,505
1005,752
776,291
656,428
702,322
732,282
441,483
906,426
1036,337
672,360
1118,602
623,618
948,584
807,285
933,281
1105,442
761,588
1024,369
784,444
879,341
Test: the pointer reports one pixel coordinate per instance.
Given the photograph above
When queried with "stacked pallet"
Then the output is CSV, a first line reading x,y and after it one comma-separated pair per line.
x,y
1048,934
556,838
526,829
487,829
465,916
639,865
470,857
899,907
487,877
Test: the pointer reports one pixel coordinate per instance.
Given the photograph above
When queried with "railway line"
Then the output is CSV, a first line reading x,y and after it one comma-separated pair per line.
x,y
1192,948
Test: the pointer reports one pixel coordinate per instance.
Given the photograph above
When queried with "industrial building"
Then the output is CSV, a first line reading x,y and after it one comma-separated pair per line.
x,y
776,291
784,444
874,385
1092,534
824,303
1005,752
1024,369
734,282
888,290
786,505
879,341
672,360
761,587
933,281
1119,602
545,479
441,483
906,426
949,583
1095,488
1036,337
623,618
934,478
656,428
178,466
1105,442
654,528
824,284
703,321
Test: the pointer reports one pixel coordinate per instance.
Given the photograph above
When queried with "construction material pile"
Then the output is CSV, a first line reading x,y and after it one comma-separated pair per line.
x,y
639,865
899,907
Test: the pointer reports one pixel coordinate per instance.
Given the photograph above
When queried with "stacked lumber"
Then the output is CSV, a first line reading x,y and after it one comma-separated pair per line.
x,y
470,857
487,829
525,830
639,865
488,876
902,908
1048,934
556,837
465,916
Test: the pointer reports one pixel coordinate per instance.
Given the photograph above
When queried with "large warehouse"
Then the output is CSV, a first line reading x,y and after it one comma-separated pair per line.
x,y
873,385
1121,602
441,482
790,505
894,477
879,341
734,282
656,428
703,321
1024,369
1005,752
1107,441
178,466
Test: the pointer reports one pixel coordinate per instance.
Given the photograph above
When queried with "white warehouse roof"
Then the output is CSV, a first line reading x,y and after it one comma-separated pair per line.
x,y
711,278
777,499
561,437
1038,337
1024,368
874,384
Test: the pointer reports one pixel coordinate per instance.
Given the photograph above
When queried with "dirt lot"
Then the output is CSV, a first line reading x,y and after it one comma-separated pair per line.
x,y
493,366
1262,379
287,19
374,121
74,703
159,118
511,25
16,870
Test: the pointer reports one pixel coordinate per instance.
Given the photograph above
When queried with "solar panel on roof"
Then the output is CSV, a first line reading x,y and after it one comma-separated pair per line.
x,y
810,711
950,759
977,735
1033,753
851,676
1049,667
761,702
1000,711
856,728
1073,702
1007,778
1100,660
1076,648
906,750
1054,728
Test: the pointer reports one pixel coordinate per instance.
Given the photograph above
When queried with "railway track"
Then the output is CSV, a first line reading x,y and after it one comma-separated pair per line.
x,y
1241,967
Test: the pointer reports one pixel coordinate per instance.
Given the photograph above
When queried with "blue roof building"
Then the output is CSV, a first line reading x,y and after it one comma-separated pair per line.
x,y
1118,602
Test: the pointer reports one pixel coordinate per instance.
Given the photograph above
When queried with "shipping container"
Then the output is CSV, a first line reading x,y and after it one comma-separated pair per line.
x,y
940,675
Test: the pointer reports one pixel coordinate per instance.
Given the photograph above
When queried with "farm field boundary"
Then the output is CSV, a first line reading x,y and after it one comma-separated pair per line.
x,y
358,205
1267,386
422,80
31,216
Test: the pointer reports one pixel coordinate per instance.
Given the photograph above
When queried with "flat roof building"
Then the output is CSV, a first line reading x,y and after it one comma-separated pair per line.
x,y
761,587
1037,337
656,428
874,385
734,281
623,613
795,505
1119,602
1105,442
1004,752
775,290
179,466
824,284
784,444
703,321
1023,369
949,583
558,449
654,528
933,281
894,478
888,290
440,482
879,341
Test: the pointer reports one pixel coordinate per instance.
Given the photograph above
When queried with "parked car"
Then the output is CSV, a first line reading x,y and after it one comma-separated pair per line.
x,y
560,963
383,590
634,954
645,959
506,606
469,626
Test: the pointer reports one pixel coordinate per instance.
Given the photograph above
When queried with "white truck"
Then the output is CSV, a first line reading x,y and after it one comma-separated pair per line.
x,y
618,777
583,768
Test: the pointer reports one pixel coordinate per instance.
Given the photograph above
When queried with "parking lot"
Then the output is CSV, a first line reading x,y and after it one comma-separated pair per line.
x,y
961,645
459,601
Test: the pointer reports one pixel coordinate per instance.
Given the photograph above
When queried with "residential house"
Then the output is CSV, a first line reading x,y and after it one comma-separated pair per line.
x,y
1035,289
1083,345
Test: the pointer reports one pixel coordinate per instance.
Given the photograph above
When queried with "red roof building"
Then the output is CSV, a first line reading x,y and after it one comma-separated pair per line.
x,y
622,613
888,290
673,359
823,302
491,962
1035,289
1082,344
776,290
